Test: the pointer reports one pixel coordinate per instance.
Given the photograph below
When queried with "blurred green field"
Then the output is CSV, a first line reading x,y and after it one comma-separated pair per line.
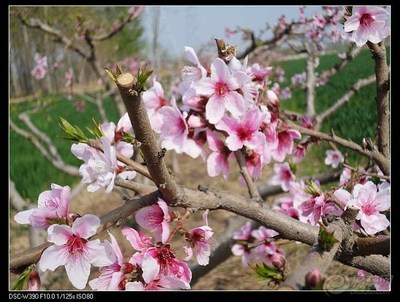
x,y
32,174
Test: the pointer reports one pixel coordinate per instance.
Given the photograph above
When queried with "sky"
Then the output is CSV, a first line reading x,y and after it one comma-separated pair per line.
x,y
194,26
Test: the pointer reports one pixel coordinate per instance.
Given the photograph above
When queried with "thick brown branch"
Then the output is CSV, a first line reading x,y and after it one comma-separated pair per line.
x,y
343,100
382,102
369,246
380,159
144,134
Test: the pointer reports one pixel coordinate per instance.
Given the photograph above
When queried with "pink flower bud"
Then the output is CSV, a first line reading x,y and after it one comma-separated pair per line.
x,y
314,278
278,261
34,281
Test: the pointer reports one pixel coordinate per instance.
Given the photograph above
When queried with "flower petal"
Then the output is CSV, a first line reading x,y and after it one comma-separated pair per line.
x,y
78,270
53,257
86,225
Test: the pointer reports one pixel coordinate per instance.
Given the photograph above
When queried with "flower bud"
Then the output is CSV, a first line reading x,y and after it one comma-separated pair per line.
x,y
34,281
278,261
314,279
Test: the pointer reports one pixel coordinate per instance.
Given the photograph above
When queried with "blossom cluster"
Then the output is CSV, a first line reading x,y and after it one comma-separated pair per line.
x,y
227,107
153,266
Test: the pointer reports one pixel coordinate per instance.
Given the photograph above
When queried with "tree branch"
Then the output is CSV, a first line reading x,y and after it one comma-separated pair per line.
x,y
351,54
310,80
144,134
253,191
382,103
380,159
343,100
58,163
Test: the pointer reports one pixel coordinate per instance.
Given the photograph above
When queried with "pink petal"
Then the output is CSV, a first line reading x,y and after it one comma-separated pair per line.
x,y
138,241
108,130
191,55
258,139
238,250
343,196
214,164
171,282
134,286
150,218
59,234
382,201
352,23
189,252
219,71
215,109
86,225
53,257
125,149
150,269
205,87
234,103
78,270
124,123
98,255
234,143
23,217
214,142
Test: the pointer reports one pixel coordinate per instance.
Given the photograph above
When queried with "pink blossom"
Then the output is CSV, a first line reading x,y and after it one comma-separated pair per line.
x,y
116,133
381,284
174,132
314,278
154,100
345,177
342,55
361,275
367,24
299,152
259,73
243,132
34,281
221,89
39,60
371,200
112,275
167,262
39,72
319,21
199,239
285,205
241,248
135,11
283,176
334,158
307,122
229,32
278,261
285,143
69,76
137,239
312,209
217,161
101,168
52,207
152,280
191,74
73,250
155,218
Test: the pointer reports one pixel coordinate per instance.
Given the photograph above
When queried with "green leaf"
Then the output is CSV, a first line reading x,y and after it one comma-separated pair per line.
x,y
23,278
73,133
96,130
112,75
293,167
266,272
326,239
142,77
